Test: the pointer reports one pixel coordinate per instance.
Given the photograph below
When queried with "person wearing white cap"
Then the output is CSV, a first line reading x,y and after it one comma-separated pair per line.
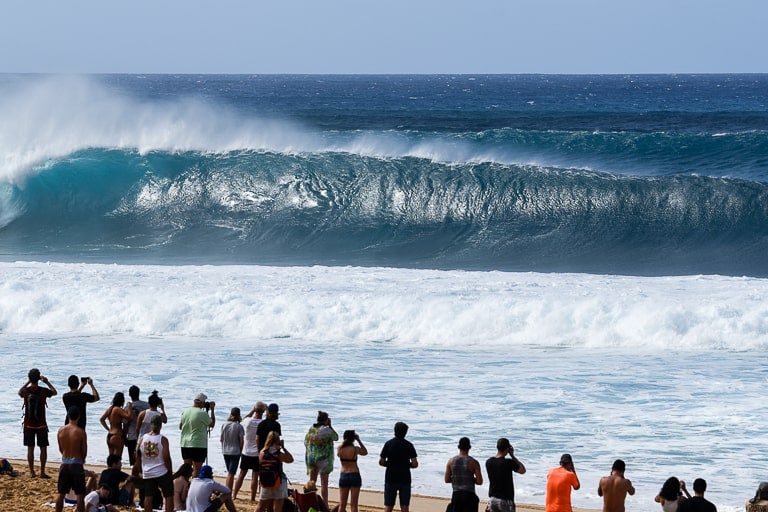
x,y
194,425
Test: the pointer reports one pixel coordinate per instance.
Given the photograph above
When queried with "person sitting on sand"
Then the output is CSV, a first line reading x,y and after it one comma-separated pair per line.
x,y
181,486
94,499
759,503
73,445
308,499
208,495
119,482
614,488
671,494
116,416
350,481
463,473
35,424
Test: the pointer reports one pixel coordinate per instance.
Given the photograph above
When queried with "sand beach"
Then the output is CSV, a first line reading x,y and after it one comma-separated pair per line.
x,y
25,494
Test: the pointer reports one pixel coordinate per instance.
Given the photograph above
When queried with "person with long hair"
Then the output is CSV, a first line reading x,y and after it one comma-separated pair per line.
x,y
116,416
232,439
671,494
350,480
272,498
181,486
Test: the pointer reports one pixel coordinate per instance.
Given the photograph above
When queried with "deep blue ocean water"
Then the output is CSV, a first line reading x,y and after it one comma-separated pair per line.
x,y
574,262
641,175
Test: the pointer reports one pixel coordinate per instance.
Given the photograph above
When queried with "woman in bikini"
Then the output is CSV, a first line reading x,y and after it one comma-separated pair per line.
x,y
350,481
116,416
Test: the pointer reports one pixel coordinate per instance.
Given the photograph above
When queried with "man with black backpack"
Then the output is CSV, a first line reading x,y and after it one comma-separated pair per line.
x,y
35,426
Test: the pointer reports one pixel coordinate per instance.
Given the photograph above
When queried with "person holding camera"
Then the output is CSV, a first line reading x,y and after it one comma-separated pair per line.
x,y
560,481
35,425
77,398
194,425
145,416
350,480
501,485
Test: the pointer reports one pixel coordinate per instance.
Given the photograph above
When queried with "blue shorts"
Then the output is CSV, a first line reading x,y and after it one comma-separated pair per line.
x,y
392,490
231,462
350,480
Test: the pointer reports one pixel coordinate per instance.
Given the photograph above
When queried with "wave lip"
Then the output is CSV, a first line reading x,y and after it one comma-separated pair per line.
x,y
342,209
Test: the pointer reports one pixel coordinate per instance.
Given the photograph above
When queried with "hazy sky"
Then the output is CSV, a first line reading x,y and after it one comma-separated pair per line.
x,y
389,36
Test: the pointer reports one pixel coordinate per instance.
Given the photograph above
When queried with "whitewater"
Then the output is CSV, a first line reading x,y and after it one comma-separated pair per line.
x,y
575,263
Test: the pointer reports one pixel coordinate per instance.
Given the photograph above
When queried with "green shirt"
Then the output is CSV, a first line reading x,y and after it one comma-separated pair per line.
x,y
194,428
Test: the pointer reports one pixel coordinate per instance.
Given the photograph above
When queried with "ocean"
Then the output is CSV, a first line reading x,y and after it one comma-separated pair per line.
x,y
577,263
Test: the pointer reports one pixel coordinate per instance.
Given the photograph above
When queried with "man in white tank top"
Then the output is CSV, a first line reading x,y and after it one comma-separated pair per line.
x,y
154,458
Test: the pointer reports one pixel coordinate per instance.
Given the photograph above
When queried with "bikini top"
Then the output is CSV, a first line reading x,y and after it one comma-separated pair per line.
x,y
342,459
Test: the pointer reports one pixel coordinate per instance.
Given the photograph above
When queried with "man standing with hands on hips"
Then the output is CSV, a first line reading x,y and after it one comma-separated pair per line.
x,y
560,481
194,425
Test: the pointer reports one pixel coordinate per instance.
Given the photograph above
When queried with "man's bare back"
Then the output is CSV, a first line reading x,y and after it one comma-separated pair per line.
x,y
614,490
73,442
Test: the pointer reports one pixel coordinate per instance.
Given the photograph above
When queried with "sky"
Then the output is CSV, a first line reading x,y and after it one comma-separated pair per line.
x,y
392,36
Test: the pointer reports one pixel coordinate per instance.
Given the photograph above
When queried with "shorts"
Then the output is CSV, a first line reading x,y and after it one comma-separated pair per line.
x,y
194,454
71,476
391,490
164,483
124,498
464,501
231,462
39,434
248,462
501,505
276,493
350,480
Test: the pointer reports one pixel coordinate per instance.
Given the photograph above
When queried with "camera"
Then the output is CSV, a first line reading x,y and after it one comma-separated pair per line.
x,y
208,406
154,399
84,379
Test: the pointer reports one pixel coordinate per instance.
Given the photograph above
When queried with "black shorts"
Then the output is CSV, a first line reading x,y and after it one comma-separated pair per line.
x,y
194,454
36,434
71,476
248,462
164,483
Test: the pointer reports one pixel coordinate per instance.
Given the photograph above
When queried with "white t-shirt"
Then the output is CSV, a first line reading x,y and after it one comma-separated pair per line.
x,y
199,496
250,446
92,501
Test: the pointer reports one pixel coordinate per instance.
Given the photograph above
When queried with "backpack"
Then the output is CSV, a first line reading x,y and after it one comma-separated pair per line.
x,y
34,406
270,471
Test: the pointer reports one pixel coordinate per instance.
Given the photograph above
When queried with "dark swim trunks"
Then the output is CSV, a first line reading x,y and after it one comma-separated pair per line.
x,y
71,476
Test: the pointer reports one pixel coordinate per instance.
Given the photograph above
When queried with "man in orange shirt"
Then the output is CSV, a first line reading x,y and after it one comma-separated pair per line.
x,y
560,480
